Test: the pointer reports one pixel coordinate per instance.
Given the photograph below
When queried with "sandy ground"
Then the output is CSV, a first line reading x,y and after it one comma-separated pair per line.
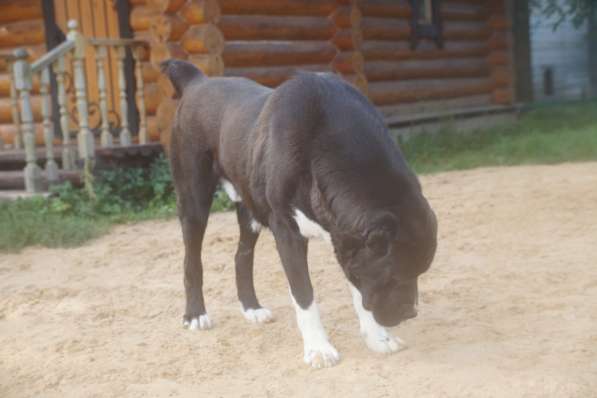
x,y
509,308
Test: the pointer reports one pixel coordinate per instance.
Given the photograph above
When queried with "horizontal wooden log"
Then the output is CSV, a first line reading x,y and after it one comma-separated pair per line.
x,y
161,51
463,12
386,9
503,96
8,132
149,72
165,6
20,10
392,92
466,31
499,22
278,7
166,88
22,33
271,27
401,10
164,116
498,58
5,82
426,69
358,80
498,41
6,110
272,75
346,16
385,29
501,76
210,64
348,62
153,96
400,50
34,52
443,105
197,12
168,27
348,39
201,39
267,53
141,17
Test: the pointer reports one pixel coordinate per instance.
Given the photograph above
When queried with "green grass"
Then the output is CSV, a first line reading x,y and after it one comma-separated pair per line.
x,y
548,135
71,216
30,222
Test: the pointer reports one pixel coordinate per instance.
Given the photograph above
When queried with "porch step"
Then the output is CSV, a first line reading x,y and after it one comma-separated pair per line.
x,y
14,179
14,159
136,155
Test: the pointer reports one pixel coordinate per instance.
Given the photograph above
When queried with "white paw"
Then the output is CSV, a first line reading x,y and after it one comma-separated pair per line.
x,y
324,355
201,323
383,342
259,315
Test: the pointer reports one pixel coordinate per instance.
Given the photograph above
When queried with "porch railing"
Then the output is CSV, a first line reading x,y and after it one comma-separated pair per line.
x,y
73,49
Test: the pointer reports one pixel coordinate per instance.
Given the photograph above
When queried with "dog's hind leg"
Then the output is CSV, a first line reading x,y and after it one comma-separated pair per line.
x,y
249,232
195,194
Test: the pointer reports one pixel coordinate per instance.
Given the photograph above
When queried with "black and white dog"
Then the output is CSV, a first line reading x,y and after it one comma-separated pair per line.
x,y
310,158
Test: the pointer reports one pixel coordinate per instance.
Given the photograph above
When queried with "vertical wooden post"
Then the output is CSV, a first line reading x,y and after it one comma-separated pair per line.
x,y
23,83
85,138
349,61
140,95
51,166
500,51
100,55
16,120
125,133
69,156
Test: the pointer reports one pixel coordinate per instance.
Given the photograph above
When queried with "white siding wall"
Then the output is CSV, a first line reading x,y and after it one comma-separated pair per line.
x,y
566,51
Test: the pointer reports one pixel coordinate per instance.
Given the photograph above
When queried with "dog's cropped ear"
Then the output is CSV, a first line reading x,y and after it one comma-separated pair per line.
x,y
381,233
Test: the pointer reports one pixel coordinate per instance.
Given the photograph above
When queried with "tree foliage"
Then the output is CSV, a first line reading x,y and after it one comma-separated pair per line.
x,y
576,11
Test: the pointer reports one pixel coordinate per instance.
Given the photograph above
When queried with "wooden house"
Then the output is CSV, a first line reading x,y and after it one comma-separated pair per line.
x,y
416,60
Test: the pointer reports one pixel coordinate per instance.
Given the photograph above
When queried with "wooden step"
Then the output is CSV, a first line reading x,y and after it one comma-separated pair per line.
x,y
14,159
14,179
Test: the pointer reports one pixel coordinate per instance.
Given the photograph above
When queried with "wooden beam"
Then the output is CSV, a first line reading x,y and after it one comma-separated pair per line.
x,y
268,53
426,69
392,92
278,7
271,27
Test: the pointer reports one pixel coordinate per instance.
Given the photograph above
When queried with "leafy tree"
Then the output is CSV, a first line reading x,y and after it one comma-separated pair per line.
x,y
575,11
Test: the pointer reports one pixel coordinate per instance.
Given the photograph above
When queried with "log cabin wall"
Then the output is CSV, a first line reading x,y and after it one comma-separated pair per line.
x,y
141,17
269,40
21,25
471,70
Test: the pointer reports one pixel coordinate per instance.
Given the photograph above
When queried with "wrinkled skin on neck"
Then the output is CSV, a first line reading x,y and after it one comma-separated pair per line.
x,y
384,261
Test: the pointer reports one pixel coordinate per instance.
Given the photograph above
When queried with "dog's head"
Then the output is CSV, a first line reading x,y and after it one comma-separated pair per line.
x,y
385,262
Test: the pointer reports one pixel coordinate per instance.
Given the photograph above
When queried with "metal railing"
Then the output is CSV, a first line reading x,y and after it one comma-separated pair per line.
x,y
55,62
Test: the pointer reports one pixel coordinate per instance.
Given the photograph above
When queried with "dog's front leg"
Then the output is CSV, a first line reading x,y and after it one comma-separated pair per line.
x,y
292,247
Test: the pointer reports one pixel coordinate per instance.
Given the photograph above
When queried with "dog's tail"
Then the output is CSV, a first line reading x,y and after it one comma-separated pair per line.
x,y
181,74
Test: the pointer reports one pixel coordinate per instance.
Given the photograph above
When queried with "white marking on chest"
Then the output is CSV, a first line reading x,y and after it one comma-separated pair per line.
x,y
318,352
230,191
309,228
376,336
255,226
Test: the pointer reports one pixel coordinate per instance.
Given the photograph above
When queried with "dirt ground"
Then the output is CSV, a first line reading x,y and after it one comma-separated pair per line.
x,y
509,308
